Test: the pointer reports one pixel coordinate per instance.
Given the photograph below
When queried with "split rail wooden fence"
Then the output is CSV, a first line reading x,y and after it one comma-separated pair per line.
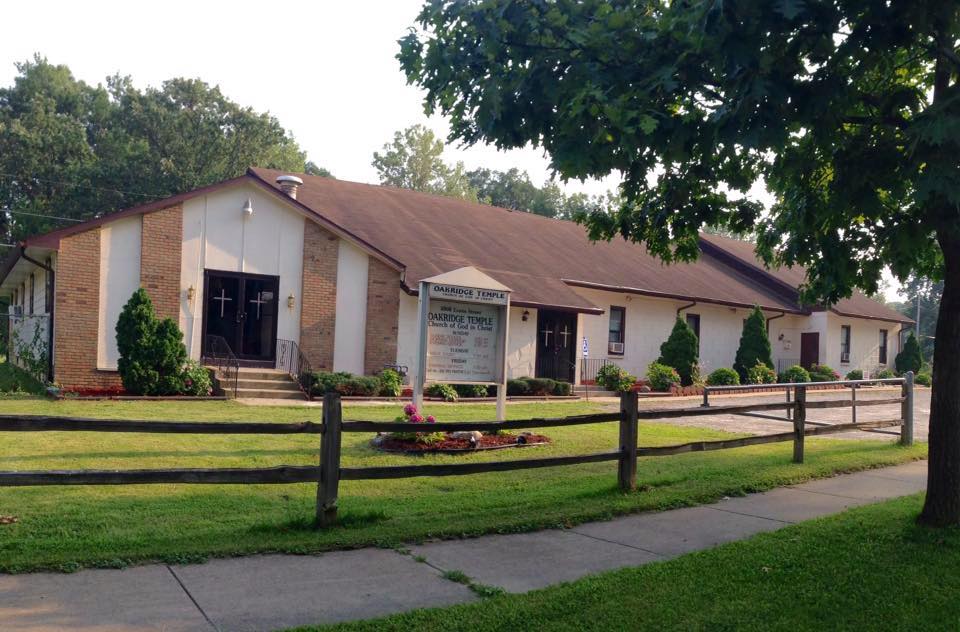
x,y
328,473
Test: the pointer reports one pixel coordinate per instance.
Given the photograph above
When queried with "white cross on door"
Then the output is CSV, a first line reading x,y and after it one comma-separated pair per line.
x,y
565,333
546,336
223,300
259,301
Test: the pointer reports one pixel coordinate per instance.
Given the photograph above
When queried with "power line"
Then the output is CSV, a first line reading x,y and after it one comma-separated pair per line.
x,y
12,176
66,219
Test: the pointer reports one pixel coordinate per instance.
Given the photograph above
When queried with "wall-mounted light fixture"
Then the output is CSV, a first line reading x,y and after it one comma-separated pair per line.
x,y
525,316
291,301
191,293
248,208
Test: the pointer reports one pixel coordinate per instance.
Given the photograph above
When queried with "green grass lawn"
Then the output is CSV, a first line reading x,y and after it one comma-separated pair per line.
x,y
65,528
870,568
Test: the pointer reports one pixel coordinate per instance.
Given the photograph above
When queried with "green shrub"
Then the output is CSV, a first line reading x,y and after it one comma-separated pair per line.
x,y
910,358
923,379
855,374
696,377
391,383
754,345
613,378
359,386
152,354
471,390
885,374
823,373
760,373
681,351
540,386
196,379
443,391
662,377
327,381
518,387
794,375
563,389
723,377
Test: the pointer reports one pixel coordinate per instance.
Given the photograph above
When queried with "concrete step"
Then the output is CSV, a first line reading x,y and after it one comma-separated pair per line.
x,y
264,374
592,391
255,393
267,385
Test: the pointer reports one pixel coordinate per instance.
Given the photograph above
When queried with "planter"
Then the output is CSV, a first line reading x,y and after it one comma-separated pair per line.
x,y
451,445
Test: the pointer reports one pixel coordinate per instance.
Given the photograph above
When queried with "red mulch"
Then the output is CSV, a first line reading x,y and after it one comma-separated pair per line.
x,y
390,444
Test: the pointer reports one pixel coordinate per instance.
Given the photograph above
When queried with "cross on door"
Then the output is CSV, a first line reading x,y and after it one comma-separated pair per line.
x,y
546,336
565,333
259,301
223,300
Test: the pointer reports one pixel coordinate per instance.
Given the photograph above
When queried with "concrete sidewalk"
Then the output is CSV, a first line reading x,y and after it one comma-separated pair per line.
x,y
269,592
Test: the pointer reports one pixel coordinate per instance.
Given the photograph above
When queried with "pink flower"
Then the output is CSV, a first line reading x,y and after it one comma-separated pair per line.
x,y
409,410
416,419
431,419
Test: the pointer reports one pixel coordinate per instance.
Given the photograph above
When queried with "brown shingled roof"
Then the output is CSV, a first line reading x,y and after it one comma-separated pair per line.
x,y
537,256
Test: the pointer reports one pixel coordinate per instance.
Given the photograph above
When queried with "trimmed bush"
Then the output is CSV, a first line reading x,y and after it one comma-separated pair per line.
x,y
923,379
823,373
540,385
517,387
681,351
613,378
391,384
885,374
662,377
563,389
471,390
760,373
794,375
855,374
327,381
754,345
723,377
359,386
910,358
443,391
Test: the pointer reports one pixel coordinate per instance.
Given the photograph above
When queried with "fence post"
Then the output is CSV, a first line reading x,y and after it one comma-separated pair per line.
x,y
627,470
329,461
706,397
906,410
789,410
853,401
799,417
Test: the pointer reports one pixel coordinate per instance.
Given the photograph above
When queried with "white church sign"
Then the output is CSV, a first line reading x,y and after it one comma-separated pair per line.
x,y
462,332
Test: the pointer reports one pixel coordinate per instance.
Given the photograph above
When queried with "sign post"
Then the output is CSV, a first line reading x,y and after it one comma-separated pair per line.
x,y
462,333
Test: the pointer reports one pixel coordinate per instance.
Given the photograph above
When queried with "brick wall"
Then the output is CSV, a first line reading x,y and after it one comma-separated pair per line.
x,y
161,244
318,298
383,312
78,314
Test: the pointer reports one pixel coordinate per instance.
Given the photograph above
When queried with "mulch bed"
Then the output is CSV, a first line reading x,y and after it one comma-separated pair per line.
x,y
451,445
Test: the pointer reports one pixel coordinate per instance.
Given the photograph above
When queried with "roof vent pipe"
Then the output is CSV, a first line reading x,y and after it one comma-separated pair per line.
x,y
289,185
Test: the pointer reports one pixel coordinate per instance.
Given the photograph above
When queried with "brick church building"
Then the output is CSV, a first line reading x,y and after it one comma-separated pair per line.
x,y
271,259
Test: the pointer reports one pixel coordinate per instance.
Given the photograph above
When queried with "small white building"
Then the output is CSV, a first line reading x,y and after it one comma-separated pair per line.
x,y
330,269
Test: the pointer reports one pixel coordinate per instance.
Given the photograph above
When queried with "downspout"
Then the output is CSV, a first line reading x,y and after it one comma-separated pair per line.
x,y
683,307
782,314
53,279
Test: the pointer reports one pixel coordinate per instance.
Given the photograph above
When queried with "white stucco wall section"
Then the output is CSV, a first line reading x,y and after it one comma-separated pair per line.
x,y
864,344
217,235
349,334
119,279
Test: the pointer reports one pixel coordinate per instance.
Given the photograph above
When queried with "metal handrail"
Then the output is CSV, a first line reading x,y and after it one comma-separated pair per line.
x,y
290,358
225,361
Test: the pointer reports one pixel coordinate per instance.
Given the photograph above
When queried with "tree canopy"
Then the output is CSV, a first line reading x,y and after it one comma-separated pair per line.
x,y
848,111
69,149
414,160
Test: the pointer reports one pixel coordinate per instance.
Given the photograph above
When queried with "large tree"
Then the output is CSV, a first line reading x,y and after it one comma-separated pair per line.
x,y
414,160
69,149
848,110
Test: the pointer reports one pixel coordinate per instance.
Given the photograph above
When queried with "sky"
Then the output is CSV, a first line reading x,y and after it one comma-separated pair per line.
x,y
326,69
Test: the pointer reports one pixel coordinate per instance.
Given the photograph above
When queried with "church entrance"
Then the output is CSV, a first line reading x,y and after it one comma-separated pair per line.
x,y
242,309
556,345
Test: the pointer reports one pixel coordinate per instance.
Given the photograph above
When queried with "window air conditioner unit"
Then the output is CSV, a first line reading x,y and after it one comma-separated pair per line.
x,y
845,357
615,347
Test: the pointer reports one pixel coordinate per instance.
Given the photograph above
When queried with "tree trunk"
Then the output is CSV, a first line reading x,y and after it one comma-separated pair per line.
x,y
942,506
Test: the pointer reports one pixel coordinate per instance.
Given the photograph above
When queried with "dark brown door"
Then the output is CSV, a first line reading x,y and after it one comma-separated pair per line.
x,y
809,349
242,309
556,345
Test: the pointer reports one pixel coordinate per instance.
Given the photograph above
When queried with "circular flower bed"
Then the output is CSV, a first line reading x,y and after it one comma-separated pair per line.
x,y
419,442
